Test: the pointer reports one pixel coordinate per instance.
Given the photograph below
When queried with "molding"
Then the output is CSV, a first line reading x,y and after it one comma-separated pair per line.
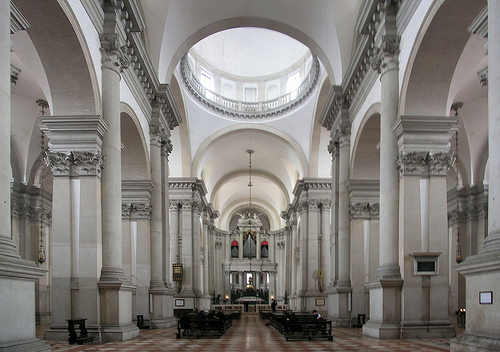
x,y
480,23
17,21
363,191
95,12
405,13
136,191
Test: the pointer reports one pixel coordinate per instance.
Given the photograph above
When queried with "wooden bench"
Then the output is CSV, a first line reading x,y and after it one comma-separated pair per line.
x,y
203,327
73,336
307,328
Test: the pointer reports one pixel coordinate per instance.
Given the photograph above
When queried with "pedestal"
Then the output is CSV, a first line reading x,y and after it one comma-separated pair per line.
x,y
385,309
17,299
116,311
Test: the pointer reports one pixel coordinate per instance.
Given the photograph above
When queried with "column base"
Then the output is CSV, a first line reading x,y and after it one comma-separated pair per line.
x,y
163,308
119,332
385,309
427,330
30,345
382,330
338,306
116,310
470,343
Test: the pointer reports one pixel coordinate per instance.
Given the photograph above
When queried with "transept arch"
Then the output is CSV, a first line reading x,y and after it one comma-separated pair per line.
x,y
135,156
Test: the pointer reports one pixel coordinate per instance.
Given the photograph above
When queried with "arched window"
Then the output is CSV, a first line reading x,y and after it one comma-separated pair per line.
x,y
264,249
234,249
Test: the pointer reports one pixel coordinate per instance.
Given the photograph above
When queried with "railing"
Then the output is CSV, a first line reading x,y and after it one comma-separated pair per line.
x,y
249,110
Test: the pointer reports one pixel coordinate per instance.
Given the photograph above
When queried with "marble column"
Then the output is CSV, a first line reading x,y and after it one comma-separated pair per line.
x,y
325,263
313,253
174,232
294,262
482,271
161,304
166,149
302,270
196,238
342,290
385,293
187,248
115,290
17,276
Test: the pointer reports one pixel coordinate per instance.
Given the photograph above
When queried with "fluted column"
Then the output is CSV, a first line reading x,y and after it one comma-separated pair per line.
x,y
17,277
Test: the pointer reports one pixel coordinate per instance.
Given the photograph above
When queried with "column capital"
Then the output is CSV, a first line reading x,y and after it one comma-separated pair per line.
x,y
425,163
75,163
386,56
365,211
136,211
113,55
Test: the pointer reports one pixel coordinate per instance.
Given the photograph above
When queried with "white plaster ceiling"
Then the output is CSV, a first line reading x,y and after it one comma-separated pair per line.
x,y
283,145
250,52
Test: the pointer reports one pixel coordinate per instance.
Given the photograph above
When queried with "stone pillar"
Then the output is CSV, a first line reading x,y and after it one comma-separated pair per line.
x,y
342,290
76,225
385,293
205,262
325,262
196,238
302,270
17,276
294,261
242,280
333,149
482,271
161,297
424,160
187,248
166,149
174,231
313,253
115,291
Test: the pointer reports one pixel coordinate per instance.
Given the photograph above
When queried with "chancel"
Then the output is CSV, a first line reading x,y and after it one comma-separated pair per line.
x,y
164,158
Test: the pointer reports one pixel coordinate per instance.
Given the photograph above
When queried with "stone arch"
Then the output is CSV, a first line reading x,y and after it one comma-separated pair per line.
x,y
248,21
294,146
363,150
135,155
432,62
65,56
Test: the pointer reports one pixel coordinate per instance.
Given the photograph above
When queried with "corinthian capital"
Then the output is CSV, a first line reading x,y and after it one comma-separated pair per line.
x,y
167,147
87,163
114,55
385,57
59,162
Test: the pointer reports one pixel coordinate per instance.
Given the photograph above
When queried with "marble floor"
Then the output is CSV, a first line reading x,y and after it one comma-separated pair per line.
x,y
251,334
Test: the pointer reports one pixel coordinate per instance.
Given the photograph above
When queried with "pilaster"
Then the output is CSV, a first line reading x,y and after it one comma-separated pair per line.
x,y
75,158
424,160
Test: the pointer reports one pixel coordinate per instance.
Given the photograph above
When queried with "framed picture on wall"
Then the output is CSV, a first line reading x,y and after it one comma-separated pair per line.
x,y
320,301
179,303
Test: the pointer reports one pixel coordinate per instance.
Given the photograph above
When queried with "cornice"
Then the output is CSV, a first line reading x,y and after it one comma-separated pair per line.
x,y
480,23
136,191
17,21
